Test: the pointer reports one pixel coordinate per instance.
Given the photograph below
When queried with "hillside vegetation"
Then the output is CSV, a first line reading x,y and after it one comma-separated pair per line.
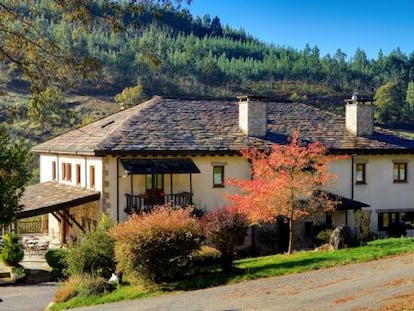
x,y
171,53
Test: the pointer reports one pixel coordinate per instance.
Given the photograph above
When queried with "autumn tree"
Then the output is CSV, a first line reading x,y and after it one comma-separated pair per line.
x,y
287,182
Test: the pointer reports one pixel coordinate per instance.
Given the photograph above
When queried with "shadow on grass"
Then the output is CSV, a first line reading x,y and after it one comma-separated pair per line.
x,y
213,276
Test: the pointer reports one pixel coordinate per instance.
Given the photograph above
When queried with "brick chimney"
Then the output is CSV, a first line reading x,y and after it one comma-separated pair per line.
x,y
253,115
359,115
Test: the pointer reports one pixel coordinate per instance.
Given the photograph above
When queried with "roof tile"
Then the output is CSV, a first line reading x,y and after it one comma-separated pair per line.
x,y
163,124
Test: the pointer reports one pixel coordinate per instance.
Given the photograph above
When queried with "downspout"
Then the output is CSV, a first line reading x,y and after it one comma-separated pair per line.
x,y
117,189
171,188
352,186
191,190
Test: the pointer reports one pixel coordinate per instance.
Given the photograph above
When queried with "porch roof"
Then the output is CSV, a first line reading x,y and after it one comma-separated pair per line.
x,y
158,166
346,203
49,197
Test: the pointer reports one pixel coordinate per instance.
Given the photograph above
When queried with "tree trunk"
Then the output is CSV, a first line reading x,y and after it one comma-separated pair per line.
x,y
291,236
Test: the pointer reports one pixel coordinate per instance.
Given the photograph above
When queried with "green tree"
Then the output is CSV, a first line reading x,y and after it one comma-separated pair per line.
x,y
409,96
45,104
130,96
14,163
390,106
28,42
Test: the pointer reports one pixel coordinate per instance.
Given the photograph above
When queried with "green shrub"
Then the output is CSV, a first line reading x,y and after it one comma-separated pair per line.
x,y
323,237
157,246
93,254
206,255
226,230
396,230
12,251
56,259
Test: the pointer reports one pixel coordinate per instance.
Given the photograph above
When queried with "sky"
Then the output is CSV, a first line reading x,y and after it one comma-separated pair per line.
x,y
371,25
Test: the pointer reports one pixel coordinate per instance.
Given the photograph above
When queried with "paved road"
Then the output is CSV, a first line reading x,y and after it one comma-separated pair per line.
x,y
24,297
366,286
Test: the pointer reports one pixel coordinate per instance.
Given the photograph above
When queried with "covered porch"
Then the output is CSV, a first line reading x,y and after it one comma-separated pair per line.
x,y
60,200
158,182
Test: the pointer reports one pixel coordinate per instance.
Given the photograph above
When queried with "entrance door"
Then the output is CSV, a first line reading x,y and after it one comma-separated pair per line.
x,y
155,189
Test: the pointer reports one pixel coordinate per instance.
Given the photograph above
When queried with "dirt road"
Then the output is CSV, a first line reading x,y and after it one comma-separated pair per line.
x,y
386,284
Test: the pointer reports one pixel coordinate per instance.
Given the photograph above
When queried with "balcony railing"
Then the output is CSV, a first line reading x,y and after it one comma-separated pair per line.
x,y
139,203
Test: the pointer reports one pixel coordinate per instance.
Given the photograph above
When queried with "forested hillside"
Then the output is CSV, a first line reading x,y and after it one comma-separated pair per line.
x,y
171,53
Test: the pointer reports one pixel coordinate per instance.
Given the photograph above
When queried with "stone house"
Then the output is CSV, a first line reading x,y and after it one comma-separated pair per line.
x,y
180,150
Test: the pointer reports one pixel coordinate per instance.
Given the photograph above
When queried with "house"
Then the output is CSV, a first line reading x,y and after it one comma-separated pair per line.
x,y
181,151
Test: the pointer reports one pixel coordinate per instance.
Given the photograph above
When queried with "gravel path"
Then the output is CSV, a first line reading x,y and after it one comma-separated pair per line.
x,y
364,286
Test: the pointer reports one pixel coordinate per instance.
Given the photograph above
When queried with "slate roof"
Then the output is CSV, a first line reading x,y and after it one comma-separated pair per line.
x,y
51,196
177,126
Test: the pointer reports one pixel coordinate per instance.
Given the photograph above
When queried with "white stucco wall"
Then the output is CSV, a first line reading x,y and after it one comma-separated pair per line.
x,y
205,196
380,192
85,163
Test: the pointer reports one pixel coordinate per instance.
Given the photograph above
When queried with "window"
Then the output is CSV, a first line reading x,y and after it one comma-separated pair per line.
x,y
91,176
400,172
154,182
78,174
218,176
67,171
385,219
360,173
308,229
53,170
407,218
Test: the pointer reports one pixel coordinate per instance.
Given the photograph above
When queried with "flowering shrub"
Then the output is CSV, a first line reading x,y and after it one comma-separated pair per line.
x,y
157,245
226,230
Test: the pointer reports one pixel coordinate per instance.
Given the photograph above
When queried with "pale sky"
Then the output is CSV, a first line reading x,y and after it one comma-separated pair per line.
x,y
370,25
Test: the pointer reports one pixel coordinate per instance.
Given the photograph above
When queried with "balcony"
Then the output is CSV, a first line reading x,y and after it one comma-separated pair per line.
x,y
141,203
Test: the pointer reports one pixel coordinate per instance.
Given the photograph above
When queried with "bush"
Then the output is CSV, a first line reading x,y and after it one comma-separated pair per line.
x,y
206,255
82,286
93,254
56,259
323,237
396,230
157,246
12,251
226,230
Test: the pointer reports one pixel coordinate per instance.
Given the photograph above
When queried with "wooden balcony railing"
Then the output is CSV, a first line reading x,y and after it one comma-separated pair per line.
x,y
139,203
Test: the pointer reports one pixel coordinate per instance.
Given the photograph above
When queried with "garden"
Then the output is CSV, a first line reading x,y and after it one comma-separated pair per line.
x,y
171,249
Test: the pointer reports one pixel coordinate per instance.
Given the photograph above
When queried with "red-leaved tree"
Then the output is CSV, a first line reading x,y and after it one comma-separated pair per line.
x,y
286,182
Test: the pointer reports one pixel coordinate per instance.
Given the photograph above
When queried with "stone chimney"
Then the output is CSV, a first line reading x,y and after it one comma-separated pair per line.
x,y
253,115
359,115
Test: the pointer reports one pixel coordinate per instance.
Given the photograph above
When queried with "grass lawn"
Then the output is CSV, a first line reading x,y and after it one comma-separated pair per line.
x,y
253,268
